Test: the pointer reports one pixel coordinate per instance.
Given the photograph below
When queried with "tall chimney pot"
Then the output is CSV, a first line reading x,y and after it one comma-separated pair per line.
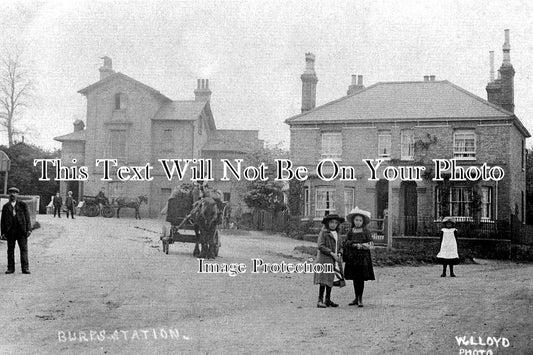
x,y
507,76
356,85
491,76
309,80
202,92
506,49
106,69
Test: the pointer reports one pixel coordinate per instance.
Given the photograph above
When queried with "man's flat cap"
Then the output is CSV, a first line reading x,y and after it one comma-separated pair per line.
x,y
13,189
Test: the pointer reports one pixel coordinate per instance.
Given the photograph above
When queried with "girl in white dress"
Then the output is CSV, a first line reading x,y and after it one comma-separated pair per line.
x,y
448,246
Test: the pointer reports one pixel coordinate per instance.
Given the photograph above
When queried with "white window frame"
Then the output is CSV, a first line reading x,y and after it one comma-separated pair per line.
x,y
486,203
349,199
457,208
307,202
384,148
122,100
324,205
460,151
331,146
407,140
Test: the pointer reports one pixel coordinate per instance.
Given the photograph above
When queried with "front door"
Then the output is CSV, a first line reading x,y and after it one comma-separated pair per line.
x,y
410,212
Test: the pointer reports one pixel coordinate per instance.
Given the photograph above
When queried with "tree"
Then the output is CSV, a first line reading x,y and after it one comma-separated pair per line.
x,y
265,195
24,175
16,92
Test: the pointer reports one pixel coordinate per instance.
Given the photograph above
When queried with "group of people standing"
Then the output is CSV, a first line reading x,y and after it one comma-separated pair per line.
x,y
70,203
354,250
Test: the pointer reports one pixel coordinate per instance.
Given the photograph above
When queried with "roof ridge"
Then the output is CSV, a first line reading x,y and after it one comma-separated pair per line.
x,y
413,82
331,102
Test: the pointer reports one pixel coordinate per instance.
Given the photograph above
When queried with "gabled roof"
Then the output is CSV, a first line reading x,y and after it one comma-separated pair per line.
x,y
77,136
185,111
419,100
114,76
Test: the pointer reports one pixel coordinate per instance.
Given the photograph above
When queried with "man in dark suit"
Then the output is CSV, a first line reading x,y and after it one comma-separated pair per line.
x,y
16,227
57,202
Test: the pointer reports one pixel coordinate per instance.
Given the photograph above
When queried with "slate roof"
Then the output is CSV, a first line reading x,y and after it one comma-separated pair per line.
x,y
404,100
180,110
184,111
77,136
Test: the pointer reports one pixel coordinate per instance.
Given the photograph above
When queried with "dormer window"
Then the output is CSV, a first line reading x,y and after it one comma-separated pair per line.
x,y
120,101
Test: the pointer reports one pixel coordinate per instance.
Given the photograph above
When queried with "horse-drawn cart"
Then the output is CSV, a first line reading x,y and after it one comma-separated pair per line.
x,y
188,224
91,207
95,205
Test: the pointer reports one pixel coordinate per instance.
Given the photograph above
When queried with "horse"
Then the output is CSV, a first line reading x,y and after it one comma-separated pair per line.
x,y
124,202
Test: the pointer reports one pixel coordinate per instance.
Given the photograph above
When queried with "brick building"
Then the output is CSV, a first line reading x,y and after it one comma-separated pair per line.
x,y
410,124
137,124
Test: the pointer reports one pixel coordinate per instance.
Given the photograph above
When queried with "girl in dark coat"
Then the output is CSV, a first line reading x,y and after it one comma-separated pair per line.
x,y
356,253
448,246
328,253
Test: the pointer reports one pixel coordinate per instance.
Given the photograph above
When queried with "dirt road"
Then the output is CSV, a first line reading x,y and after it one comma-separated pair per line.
x,y
109,285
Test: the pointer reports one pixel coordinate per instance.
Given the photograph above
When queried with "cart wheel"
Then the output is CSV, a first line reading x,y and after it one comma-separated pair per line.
x,y
217,243
92,210
108,212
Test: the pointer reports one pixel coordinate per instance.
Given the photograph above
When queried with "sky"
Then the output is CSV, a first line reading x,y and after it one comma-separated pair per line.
x,y
253,52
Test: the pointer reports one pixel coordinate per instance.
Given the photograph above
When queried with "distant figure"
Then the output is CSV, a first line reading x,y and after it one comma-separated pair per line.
x,y
448,246
57,202
101,197
16,227
70,203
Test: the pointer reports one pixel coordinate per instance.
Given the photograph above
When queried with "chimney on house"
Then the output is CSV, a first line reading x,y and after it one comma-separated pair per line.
x,y
106,69
507,76
202,92
357,84
79,125
494,86
429,77
309,81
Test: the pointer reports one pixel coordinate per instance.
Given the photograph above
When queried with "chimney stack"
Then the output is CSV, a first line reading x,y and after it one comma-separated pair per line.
x,y
106,69
491,74
356,85
494,87
309,80
79,125
202,92
507,76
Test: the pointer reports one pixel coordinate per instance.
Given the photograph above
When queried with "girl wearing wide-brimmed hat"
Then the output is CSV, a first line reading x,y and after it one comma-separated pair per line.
x,y
356,253
448,246
328,253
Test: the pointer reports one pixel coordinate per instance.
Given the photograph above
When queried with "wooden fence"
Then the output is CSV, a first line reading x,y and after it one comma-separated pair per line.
x,y
269,221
